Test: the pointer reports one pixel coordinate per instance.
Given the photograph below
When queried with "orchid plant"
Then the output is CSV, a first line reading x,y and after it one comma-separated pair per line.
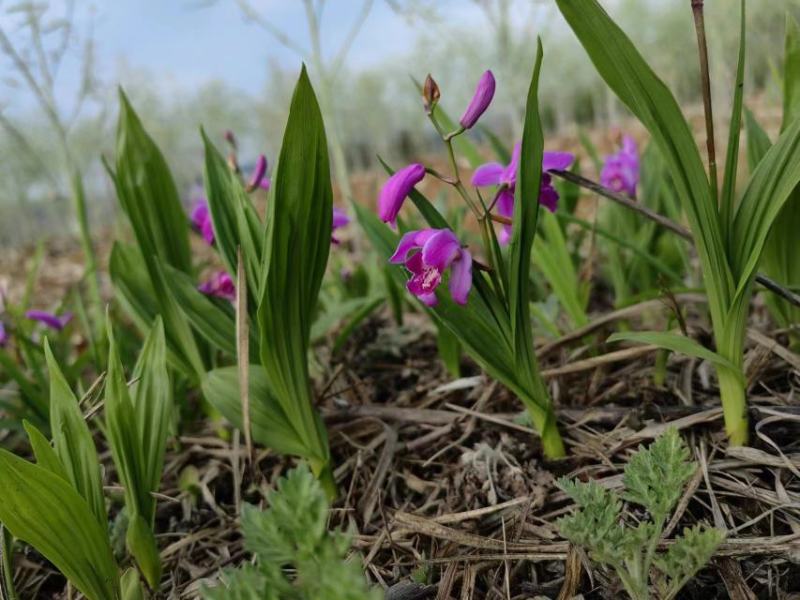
x,y
486,307
780,254
43,502
730,231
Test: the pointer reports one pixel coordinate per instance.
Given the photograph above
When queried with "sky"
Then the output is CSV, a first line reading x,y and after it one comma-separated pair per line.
x,y
193,41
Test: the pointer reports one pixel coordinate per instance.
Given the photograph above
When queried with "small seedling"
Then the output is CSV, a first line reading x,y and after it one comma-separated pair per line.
x,y
292,536
654,479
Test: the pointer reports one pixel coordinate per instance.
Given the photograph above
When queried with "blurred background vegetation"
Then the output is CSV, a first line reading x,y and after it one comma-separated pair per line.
x,y
58,82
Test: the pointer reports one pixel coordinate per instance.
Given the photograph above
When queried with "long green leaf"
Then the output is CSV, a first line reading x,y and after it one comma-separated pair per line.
x,y
236,222
270,425
676,343
45,511
631,78
770,187
526,210
728,198
137,437
148,194
295,256
73,442
46,456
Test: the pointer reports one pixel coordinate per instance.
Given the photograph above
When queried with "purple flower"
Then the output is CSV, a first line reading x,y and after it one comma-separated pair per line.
x,y
480,101
49,319
219,285
201,219
340,219
620,172
505,176
258,178
436,250
3,335
395,190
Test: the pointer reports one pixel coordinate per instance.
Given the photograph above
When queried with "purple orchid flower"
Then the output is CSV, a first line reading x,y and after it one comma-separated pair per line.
x,y
396,189
505,176
3,335
620,172
436,250
219,285
49,319
480,101
340,219
201,219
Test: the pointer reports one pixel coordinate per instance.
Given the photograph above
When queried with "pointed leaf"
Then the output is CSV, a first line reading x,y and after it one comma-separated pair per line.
x,y
45,511
73,441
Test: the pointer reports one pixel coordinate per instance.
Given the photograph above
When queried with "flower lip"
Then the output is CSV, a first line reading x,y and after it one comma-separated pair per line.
x,y
427,254
396,189
481,100
49,319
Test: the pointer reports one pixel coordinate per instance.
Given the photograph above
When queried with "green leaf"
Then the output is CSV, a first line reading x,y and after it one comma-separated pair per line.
x,y
269,424
236,222
728,199
634,82
148,194
45,511
151,394
526,210
143,547
780,252
690,553
655,476
770,187
758,142
46,457
791,72
676,343
73,442
212,318
296,254
449,351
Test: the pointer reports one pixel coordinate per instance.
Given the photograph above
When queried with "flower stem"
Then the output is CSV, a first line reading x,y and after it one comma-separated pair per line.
x,y
702,47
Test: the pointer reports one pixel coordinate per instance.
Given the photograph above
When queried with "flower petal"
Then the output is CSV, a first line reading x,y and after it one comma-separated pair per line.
x,y
505,203
480,101
258,172
488,174
395,190
557,161
49,319
441,249
407,242
509,176
340,218
461,277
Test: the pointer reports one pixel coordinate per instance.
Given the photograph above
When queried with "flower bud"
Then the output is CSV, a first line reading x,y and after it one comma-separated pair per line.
x,y
258,173
480,101
395,190
430,94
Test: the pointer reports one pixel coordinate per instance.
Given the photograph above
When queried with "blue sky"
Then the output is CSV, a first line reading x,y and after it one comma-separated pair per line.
x,y
192,45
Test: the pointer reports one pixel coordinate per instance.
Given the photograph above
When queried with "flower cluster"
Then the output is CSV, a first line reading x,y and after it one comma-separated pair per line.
x,y
505,176
428,253
620,171
219,285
